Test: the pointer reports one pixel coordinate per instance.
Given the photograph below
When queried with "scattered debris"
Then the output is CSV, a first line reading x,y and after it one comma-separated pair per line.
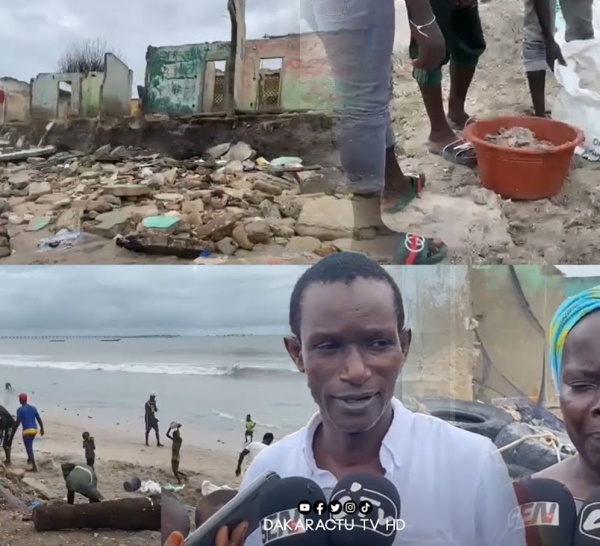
x,y
227,202
520,137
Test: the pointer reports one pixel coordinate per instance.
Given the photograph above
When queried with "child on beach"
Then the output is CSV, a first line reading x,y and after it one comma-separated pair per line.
x,y
174,435
250,426
89,447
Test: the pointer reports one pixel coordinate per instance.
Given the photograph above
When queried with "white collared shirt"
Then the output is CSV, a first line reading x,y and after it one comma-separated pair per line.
x,y
454,486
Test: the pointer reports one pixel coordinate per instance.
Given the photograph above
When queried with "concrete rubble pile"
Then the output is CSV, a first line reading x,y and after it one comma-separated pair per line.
x,y
228,202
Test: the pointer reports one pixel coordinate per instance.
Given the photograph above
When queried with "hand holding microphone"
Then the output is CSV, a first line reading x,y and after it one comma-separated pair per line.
x,y
369,511
224,538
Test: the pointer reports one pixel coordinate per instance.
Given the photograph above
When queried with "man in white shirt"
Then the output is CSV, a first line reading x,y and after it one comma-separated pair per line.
x,y
252,450
349,338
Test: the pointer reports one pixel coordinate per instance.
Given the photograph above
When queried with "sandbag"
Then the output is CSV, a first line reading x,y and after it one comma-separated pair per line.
x,y
578,100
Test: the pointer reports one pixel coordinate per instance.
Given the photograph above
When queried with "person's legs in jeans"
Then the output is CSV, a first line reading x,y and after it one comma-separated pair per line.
x,y
578,16
358,36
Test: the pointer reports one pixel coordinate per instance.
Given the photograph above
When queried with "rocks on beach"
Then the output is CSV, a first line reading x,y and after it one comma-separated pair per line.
x,y
227,202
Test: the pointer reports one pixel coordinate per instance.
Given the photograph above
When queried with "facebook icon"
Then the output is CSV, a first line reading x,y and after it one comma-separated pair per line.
x,y
319,507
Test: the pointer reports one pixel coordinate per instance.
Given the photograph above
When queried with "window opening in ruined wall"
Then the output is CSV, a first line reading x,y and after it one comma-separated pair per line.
x,y
269,83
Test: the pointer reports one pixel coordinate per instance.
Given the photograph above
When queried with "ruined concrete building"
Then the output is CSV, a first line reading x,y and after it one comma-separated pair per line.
x,y
275,73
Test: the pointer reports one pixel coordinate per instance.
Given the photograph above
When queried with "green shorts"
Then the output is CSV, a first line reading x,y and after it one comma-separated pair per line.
x,y
463,32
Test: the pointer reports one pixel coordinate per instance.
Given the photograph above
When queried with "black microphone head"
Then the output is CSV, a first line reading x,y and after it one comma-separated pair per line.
x,y
587,532
294,514
546,511
367,510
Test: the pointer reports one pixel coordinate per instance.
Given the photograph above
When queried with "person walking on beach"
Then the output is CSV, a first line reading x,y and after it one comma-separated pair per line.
x,y
29,419
252,450
81,479
89,448
250,426
150,411
174,435
7,427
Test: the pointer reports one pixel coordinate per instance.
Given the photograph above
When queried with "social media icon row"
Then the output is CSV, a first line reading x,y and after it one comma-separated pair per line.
x,y
335,507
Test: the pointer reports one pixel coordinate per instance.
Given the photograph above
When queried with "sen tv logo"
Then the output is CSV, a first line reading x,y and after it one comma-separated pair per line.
x,y
535,514
589,525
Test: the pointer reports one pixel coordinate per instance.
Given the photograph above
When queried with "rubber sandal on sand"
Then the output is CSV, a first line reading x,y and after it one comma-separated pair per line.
x,y
417,183
416,250
459,152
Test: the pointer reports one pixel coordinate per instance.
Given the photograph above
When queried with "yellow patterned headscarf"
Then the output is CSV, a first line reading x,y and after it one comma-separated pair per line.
x,y
567,316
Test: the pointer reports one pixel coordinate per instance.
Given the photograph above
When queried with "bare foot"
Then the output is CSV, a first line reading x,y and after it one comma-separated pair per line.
x,y
458,118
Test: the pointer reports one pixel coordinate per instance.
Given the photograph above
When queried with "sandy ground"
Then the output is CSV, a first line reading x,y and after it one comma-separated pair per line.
x,y
478,226
115,452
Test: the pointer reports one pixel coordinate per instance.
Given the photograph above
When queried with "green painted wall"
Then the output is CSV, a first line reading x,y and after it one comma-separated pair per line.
x,y
91,91
175,77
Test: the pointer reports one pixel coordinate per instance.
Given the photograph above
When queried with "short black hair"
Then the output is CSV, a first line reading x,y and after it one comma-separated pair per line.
x,y
343,267
268,437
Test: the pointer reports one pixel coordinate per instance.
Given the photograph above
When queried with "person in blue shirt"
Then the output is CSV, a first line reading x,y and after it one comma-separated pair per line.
x,y
29,419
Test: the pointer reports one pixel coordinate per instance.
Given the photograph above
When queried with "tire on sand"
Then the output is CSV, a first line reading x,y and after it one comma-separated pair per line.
x,y
483,419
533,453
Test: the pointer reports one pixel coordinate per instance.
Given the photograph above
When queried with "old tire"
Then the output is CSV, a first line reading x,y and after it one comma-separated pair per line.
x,y
531,454
517,472
132,484
483,419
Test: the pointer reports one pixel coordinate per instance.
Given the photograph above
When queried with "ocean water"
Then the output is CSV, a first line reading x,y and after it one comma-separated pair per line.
x,y
208,384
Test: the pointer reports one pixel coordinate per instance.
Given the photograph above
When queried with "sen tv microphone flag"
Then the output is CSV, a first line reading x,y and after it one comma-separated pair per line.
x,y
291,512
546,512
587,532
369,507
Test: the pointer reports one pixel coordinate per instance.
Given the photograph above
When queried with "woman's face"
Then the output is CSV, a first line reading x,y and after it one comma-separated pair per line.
x,y
580,388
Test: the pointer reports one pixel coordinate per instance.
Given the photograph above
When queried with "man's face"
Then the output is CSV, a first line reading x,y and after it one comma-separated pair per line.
x,y
580,389
350,350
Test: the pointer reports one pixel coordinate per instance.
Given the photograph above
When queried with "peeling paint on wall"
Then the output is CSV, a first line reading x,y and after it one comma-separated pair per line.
x,y
14,105
176,76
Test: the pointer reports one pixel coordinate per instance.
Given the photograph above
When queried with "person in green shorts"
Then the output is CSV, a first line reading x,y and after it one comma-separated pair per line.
x,y
81,479
250,426
459,22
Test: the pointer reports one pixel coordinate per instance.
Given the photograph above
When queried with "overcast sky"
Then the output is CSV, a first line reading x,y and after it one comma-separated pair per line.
x,y
105,300
34,33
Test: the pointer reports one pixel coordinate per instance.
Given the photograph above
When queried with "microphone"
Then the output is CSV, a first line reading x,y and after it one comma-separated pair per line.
x,y
294,514
367,510
587,532
546,512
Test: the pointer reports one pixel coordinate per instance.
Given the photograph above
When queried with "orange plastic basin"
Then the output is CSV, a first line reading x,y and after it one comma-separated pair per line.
x,y
516,173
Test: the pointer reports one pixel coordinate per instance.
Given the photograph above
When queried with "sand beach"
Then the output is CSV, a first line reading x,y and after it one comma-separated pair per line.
x,y
116,454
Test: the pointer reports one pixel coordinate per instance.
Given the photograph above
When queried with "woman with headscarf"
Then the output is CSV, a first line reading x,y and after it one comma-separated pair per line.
x,y
575,365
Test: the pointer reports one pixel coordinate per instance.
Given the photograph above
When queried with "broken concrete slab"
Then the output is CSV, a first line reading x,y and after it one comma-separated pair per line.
x,y
19,155
127,190
328,218
457,221
37,224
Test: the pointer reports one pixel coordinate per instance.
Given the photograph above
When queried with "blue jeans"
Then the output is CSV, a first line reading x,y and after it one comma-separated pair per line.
x,y
358,36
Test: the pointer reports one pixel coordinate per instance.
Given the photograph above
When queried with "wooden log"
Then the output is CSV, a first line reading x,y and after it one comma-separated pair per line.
x,y
134,514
